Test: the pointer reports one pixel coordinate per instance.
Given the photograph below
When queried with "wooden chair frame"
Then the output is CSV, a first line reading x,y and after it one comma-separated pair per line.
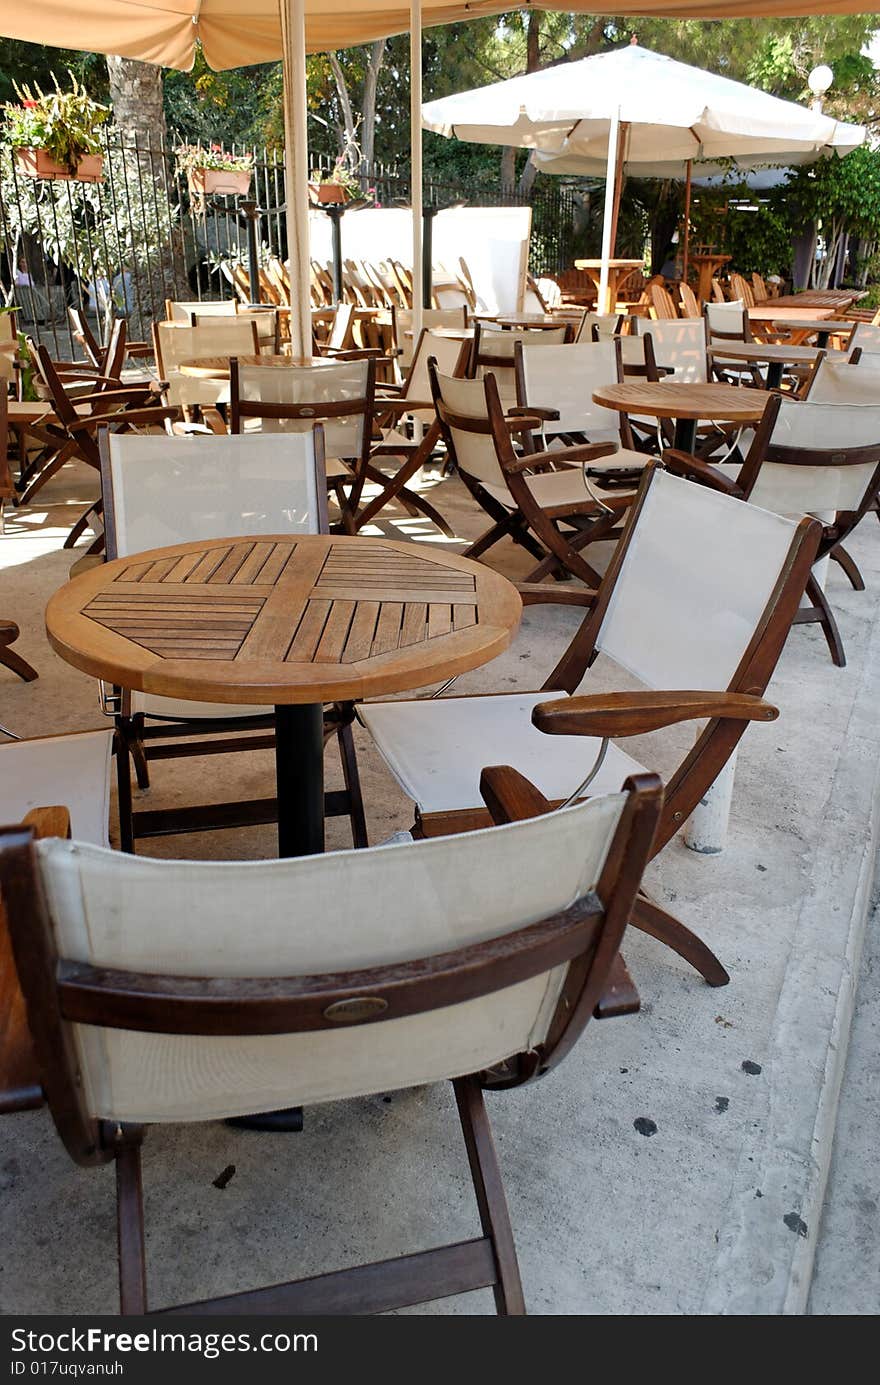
x,y
629,714
833,535
535,528
140,742
586,936
9,631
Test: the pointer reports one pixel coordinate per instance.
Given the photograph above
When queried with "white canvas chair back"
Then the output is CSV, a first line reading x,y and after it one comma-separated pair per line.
x,y
726,319
632,351
564,378
262,318
445,351
70,771
223,336
607,323
180,311
866,335
474,452
449,294
679,345
820,490
351,910
176,490
839,382
669,630
499,343
431,317
328,384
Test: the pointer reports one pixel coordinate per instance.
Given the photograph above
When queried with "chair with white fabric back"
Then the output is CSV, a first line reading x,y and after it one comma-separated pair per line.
x,y
292,398
178,342
164,491
596,325
536,498
494,352
677,609
807,457
55,784
730,322
453,318
264,319
179,310
370,972
867,336
557,384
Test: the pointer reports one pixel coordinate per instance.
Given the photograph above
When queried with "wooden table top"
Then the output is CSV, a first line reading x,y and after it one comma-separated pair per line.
x,y
678,399
813,322
708,257
812,298
217,367
771,351
283,619
612,264
793,316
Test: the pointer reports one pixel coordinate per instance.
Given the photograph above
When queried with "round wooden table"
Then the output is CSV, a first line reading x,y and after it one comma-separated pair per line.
x,y
686,403
286,621
775,357
217,367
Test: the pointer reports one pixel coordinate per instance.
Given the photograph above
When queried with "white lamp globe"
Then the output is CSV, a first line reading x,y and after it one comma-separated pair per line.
x,y
820,80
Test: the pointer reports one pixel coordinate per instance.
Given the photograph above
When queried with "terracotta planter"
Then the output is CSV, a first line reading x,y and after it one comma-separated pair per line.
x,y
227,182
37,163
331,192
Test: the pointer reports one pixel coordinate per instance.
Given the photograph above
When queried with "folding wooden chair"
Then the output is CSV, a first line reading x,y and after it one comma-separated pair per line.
x,y
161,491
557,384
811,458
431,318
494,351
177,342
552,513
678,608
597,325
408,965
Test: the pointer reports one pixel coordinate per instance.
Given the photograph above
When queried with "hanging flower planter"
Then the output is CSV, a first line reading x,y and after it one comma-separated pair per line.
x,y
207,182
331,192
38,163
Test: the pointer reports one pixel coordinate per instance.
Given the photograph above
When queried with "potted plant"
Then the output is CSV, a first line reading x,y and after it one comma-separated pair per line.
x,y
339,185
55,134
211,170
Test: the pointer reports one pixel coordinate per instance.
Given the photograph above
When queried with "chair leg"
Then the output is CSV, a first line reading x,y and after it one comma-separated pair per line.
x,y
489,1190
139,756
823,613
649,918
130,1243
353,785
9,632
850,567
123,793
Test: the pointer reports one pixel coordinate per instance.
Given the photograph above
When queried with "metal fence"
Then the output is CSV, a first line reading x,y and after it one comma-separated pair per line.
x,y
128,242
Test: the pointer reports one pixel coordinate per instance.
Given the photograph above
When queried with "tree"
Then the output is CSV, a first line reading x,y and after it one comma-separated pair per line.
x,y
136,95
842,197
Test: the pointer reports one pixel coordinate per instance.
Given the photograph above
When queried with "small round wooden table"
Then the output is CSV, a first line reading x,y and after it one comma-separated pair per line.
x,y
686,403
775,357
291,622
217,367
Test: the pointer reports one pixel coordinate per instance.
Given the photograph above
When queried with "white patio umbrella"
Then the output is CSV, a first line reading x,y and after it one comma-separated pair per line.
x,y
640,111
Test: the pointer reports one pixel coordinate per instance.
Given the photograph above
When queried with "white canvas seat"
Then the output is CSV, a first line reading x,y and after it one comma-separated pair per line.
x,y
554,490
679,346
683,610
70,771
176,342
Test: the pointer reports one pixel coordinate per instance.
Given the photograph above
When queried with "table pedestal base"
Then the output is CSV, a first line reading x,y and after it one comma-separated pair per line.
x,y
299,769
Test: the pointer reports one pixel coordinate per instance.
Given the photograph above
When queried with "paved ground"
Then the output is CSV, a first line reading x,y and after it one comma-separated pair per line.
x,y
717,1211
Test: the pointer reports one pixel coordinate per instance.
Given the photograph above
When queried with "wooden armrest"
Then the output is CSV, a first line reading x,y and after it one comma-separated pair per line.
x,y
619,995
634,713
138,348
535,410
569,456
143,418
509,796
693,469
523,423
540,593
49,822
401,406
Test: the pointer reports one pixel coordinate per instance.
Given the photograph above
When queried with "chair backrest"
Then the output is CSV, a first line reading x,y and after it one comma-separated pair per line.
x,y
431,317
596,325
71,771
451,354
264,319
866,335
370,971
759,287
843,382
83,333
821,459
564,378
690,304
717,292
680,346
289,399
727,321
684,606
494,352
636,357
741,288
464,417
178,310
160,490
662,305
342,327
223,336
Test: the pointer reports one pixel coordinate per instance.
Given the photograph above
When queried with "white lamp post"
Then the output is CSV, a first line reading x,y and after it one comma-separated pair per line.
x,y
819,81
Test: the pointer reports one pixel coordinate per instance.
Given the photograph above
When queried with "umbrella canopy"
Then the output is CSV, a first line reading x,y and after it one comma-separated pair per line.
x,y
672,114
235,33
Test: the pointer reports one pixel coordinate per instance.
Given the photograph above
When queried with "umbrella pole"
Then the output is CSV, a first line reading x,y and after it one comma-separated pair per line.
x,y
416,189
296,173
609,218
687,223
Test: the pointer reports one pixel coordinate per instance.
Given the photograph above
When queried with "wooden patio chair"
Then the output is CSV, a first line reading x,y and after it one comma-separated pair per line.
x,y
678,570
680,351
402,318
548,502
597,325
182,310
663,307
494,351
36,776
176,342
556,383
690,303
806,458
759,288
160,491
265,321
717,292
742,289
408,965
